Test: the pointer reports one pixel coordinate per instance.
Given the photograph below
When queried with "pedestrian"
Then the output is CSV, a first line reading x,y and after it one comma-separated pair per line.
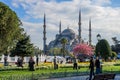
x,y
21,63
5,61
55,64
97,65
37,60
91,67
18,62
75,64
31,64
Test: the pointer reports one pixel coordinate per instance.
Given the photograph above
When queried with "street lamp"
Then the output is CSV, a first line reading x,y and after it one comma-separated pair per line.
x,y
98,37
36,53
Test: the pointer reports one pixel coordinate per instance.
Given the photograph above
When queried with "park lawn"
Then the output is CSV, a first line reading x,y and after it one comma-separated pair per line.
x,y
64,69
112,69
45,71
106,69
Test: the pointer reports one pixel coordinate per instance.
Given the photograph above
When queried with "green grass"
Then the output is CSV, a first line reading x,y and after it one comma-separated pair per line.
x,y
63,71
112,69
115,69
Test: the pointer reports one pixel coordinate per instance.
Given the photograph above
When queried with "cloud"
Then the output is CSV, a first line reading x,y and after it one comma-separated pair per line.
x,y
105,19
101,2
15,5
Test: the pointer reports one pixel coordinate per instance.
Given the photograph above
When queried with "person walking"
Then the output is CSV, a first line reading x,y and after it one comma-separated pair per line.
x,y
21,63
97,65
31,64
18,62
75,64
55,64
37,60
91,67
5,61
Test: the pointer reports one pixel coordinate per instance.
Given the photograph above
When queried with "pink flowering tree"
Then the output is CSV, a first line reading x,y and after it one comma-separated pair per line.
x,y
84,49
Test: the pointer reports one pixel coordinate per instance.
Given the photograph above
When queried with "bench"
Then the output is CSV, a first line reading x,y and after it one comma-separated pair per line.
x,y
105,76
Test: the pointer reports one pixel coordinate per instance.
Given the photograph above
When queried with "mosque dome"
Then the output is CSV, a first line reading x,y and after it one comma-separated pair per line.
x,y
68,32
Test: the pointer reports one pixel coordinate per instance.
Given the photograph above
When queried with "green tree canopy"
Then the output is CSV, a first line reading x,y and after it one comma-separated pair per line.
x,y
55,51
63,42
114,54
9,28
37,51
103,49
23,48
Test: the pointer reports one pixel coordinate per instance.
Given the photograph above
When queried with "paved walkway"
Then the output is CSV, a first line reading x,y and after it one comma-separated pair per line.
x,y
117,77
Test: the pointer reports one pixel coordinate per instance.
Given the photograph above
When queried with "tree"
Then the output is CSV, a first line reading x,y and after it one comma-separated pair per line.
x,y
55,51
114,55
63,42
116,46
9,28
37,51
83,49
23,48
115,40
103,49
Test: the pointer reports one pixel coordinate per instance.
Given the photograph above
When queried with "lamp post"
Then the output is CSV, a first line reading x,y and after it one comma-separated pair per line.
x,y
36,53
98,37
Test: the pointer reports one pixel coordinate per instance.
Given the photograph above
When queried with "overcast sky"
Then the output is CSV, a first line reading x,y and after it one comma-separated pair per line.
x,y
105,16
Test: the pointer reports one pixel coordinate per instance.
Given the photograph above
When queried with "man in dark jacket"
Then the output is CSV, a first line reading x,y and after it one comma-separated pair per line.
x,y
97,65
31,64
91,67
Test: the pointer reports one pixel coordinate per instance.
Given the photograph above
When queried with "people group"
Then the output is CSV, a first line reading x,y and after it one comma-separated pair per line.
x,y
19,62
94,64
31,63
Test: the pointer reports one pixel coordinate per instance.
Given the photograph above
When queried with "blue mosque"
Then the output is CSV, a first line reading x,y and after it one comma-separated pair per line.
x,y
71,37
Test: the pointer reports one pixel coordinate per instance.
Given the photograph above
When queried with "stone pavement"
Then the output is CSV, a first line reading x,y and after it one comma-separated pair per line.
x,y
117,77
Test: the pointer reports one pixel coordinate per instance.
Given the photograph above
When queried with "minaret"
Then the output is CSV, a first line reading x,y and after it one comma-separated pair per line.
x,y
60,28
90,31
44,35
79,30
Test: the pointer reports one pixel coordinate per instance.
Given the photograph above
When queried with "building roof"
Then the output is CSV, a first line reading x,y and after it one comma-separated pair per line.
x,y
68,32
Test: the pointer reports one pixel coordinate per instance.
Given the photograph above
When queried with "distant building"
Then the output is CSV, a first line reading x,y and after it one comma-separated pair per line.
x,y
69,34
